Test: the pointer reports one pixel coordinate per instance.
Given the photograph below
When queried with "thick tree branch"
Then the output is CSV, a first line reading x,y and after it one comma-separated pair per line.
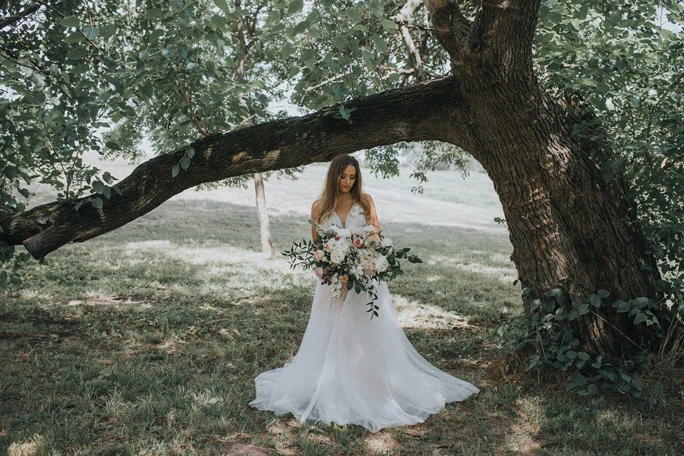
x,y
422,112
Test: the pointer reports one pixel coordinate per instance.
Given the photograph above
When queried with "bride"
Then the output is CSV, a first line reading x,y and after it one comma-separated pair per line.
x,y
349,368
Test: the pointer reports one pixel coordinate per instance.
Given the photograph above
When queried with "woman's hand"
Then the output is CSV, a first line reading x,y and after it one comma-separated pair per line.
x,y
343,288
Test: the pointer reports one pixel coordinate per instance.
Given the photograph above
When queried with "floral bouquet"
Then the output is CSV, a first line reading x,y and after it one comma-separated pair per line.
x,y
355,259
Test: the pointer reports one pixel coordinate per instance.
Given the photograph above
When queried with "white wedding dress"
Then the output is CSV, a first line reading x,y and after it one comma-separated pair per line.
x,y
351,369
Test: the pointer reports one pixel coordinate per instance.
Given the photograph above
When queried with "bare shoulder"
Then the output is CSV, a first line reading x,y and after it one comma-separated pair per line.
x,y
315,207
367,198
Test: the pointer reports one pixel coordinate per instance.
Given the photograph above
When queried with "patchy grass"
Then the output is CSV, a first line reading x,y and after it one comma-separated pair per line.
x,y
147,341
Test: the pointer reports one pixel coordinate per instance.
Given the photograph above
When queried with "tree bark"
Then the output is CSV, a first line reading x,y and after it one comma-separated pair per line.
x,y
569,228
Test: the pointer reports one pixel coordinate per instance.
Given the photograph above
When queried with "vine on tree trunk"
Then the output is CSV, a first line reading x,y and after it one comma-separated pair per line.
x,y
552,332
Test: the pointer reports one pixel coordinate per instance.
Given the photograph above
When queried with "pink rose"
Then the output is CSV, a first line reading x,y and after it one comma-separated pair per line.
x,y
318,255
358,243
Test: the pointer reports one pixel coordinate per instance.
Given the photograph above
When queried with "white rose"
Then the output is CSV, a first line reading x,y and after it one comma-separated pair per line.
x,y
336,256
387,242
381,264
342,232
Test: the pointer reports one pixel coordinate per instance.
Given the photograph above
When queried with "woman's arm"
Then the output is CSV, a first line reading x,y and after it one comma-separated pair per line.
x,y
314,215
373,216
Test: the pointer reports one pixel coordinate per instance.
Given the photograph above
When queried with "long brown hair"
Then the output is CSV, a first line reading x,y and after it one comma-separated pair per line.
x,y
331,190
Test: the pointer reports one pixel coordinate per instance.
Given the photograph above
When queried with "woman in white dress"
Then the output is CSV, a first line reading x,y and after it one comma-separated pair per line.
x,y
349,368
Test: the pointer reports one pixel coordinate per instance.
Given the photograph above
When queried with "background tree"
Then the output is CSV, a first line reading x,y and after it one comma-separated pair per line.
x,y
563,183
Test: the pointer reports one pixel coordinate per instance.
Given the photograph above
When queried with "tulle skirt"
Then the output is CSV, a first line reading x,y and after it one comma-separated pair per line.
x,y
350,369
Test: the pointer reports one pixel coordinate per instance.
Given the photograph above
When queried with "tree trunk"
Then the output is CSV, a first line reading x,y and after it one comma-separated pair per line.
x,y
569,228
262,212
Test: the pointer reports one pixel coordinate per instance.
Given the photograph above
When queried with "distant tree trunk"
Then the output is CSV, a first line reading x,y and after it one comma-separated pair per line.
x,y
262,212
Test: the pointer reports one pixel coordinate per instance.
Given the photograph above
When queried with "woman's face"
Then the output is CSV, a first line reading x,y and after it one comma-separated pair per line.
x,y
347,179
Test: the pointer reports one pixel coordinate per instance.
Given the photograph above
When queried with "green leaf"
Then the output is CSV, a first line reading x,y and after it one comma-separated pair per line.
x,y
147,91
185,163
77,53
98,186
175,170
622,306
552,293
345,113
69,21
97,203
640,318
223,6
107,30
595,301
602,294
113,145
589,391
153,13
90,32
75,37
388,25
295,6
354,14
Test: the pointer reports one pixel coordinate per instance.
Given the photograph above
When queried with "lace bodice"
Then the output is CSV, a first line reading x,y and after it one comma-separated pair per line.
x,y
355,219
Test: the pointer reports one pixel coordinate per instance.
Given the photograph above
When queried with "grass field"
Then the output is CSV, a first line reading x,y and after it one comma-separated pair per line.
x,y
147,340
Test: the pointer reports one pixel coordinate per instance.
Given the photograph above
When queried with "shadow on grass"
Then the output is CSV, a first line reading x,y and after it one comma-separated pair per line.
x,y
152,336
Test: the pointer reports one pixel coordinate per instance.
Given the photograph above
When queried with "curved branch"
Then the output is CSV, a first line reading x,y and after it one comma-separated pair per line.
x,y
421,112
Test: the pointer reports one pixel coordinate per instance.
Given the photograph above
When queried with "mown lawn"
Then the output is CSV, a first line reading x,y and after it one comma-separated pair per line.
x,y
147,341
